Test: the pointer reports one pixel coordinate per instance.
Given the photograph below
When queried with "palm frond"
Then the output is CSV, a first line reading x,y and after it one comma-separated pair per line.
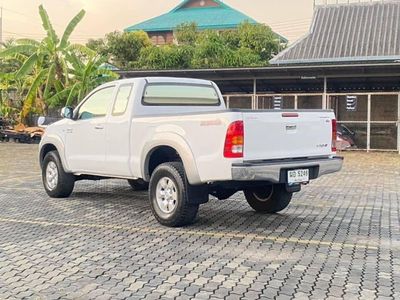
x,y
28,66
74,61
32,93
70,28
59,86
18,49
72,93
48,27
20,57
59,97
27,42
49,81
82,49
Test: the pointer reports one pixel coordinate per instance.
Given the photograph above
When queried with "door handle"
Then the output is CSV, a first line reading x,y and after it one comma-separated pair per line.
x,y
69,130
98,127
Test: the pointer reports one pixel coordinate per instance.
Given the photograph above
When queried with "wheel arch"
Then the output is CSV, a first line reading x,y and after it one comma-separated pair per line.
x,y
171,146
52,143
46,148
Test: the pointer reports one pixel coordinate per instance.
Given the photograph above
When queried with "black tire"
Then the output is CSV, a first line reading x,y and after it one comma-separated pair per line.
x,y
183,213
268,199
138,184
65,182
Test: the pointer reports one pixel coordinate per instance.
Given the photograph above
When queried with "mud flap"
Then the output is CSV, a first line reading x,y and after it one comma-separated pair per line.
x,y
293,188
198,194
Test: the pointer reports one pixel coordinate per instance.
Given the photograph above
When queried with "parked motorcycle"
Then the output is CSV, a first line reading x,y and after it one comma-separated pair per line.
x,y
345,138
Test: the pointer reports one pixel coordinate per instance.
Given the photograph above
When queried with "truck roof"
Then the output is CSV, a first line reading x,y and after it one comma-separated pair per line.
x,y
165,80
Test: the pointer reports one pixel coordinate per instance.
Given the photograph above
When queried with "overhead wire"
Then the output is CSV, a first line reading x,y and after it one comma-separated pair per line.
x,y
31,18
291,28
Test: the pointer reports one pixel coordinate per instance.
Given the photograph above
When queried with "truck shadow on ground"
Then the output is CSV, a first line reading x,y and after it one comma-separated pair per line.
x,y
216,214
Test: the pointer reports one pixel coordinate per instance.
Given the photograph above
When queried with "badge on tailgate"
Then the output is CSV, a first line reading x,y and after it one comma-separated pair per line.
x,y
291,127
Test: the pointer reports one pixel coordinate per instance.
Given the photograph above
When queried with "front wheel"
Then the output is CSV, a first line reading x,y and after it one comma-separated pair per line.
x,y
56,182
169,195
268,199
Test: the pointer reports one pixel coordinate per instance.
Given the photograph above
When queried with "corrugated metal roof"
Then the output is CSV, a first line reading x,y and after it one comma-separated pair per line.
x,y
219,17
348,33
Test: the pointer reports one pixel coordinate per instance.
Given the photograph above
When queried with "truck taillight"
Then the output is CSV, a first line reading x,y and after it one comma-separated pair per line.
x,y
234,141
334,135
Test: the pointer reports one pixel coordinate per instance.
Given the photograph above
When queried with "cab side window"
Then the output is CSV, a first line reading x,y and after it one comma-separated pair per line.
x,y
122,99
97,104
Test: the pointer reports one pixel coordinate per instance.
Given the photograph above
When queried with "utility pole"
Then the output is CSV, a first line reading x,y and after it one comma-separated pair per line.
x,y
1,27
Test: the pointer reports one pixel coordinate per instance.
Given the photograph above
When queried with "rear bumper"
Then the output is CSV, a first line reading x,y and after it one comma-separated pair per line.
x,y
274,171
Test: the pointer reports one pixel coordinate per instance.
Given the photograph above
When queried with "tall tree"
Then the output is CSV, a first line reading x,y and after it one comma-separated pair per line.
x,y
211,51
186,33
166,57
248,46
259,38
98,45
124,48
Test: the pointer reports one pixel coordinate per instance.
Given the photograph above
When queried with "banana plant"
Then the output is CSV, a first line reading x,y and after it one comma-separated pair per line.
x,y
45,67
86,73
10,95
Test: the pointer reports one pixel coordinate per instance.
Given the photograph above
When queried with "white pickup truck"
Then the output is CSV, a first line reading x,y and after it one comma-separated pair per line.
x,y
176,138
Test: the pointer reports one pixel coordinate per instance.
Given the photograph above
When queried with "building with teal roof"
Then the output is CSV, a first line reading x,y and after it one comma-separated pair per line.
x,y
207,14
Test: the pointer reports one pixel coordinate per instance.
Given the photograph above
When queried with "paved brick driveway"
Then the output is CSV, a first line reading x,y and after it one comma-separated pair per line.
x,y
339,238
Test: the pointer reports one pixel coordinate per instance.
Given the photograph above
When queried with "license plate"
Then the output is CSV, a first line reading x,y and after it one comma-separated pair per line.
x,y
298,176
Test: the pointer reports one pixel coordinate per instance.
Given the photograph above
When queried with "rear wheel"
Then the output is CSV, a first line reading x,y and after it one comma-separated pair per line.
x,y
138,184
57,183
268,199
169,195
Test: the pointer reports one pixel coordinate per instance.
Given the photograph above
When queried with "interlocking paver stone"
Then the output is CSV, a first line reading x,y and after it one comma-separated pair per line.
x,y
339,238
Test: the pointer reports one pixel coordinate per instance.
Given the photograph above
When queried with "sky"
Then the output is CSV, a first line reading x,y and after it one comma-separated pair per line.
x,y
290,18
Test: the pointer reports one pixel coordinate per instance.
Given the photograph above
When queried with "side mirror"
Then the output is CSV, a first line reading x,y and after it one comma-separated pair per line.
x,y
41,120
67,112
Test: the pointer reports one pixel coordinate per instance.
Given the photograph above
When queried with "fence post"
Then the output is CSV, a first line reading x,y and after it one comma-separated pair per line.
x,y
369,124
398,123
254,106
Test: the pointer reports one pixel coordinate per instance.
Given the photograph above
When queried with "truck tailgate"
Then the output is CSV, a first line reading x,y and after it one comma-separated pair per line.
x,y
287,134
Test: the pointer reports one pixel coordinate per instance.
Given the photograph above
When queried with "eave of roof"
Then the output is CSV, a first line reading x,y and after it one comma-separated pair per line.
x,y
350,59
348,33
368,69
201,27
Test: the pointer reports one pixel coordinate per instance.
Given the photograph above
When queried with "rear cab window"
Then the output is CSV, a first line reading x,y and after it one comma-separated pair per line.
x,y
122,99
165,94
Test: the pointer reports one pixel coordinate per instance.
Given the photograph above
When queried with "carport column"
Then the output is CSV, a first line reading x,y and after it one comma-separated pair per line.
x,y
398,123
369,123
324,100
255,106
